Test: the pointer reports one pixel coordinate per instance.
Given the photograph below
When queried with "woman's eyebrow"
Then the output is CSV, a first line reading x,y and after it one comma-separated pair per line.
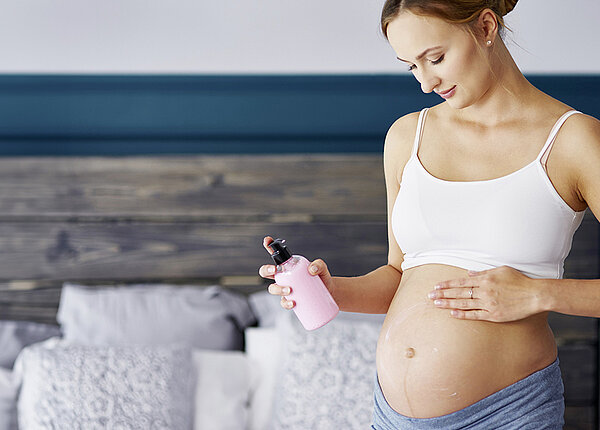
x,y
422,54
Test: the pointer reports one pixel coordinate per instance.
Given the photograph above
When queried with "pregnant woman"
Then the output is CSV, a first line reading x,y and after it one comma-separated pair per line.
x,y
485,191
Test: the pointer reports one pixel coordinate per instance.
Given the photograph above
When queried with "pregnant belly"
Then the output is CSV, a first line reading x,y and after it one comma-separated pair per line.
x,y
431,364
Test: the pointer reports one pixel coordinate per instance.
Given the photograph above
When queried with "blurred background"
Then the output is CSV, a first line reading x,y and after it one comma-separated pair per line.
x,y
259,37
152,142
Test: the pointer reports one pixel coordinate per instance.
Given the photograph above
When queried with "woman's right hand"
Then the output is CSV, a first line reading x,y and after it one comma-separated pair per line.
x,y
268,272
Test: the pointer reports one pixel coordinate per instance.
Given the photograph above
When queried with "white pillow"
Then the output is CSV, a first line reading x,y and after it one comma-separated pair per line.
x,y
75,386
9,388
222,390
263,348
327,375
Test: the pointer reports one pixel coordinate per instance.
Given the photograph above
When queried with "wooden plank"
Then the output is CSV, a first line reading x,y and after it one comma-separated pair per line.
x,y
66,251
218,187
578,367
570,329
579,418
582,262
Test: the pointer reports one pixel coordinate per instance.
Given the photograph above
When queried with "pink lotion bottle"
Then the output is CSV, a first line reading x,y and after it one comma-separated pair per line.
x,y
314,305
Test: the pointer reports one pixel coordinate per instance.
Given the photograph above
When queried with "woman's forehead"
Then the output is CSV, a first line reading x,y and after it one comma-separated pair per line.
x,y
411,34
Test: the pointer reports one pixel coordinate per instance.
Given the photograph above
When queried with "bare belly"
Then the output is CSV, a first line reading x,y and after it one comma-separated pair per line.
x,y
431,364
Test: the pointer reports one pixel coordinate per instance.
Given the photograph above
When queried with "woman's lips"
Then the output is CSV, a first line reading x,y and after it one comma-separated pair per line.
x,y
447,94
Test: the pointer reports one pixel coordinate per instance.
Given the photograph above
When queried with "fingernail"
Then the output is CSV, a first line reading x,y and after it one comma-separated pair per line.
x,y
431,295
313,269
437,287
270,269
285,291
437,302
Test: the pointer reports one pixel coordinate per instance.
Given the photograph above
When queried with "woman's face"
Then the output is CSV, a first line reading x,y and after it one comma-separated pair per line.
x,y
454,68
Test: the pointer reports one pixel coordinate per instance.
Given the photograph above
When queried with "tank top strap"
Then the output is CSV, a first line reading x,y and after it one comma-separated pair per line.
x,y
545,152
419,133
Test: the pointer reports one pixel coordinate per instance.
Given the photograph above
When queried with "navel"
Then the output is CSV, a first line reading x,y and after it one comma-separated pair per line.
x,y
409,353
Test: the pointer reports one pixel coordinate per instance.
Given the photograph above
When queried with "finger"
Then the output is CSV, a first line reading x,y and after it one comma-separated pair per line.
x,y
454,293
453,283
266,242
287,304
317,266
278,290
458,303
477,314
267,271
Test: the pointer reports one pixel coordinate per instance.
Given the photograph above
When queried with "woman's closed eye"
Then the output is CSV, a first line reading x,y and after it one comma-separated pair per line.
x,y
438,61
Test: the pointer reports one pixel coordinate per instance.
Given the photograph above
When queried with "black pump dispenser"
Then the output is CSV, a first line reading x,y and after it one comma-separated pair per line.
x,y
281,253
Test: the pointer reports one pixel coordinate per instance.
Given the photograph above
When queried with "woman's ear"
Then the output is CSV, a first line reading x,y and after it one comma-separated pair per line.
x,y
487,24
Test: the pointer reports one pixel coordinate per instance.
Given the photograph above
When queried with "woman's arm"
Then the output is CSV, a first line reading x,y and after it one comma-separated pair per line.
x,y
580,296
371,293
571,296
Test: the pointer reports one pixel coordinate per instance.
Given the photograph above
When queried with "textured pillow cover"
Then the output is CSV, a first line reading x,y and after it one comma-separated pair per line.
x,y
326,378
66,386
199,317
15,335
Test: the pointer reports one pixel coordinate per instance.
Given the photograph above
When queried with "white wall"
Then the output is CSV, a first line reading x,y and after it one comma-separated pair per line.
x,y
260,36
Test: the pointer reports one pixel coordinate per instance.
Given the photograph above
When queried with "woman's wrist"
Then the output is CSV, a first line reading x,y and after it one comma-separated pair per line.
x,y
543,293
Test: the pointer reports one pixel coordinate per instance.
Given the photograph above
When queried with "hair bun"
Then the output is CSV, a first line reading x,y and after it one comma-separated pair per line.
x,y
505,6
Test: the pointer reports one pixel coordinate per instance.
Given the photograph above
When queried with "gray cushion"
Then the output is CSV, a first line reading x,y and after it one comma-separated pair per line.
x,y
15,335
199,317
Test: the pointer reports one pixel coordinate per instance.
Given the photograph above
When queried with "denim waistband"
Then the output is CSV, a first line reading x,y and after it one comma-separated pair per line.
x,y
535,402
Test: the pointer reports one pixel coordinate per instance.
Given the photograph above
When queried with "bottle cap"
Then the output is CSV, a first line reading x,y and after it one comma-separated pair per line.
x,y
281,253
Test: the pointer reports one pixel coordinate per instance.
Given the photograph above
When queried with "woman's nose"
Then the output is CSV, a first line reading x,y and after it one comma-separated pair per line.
x,y
428,83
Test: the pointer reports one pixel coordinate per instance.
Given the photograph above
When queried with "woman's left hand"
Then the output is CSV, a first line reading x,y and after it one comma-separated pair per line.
x,y
501,294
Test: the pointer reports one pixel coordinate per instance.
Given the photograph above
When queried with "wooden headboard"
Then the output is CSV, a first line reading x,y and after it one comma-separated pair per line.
x,y
197,219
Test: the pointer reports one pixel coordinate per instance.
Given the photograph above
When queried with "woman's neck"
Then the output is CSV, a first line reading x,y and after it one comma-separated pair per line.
x,y
508,96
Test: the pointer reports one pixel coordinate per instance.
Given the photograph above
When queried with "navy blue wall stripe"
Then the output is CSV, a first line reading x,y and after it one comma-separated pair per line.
x,y
156,114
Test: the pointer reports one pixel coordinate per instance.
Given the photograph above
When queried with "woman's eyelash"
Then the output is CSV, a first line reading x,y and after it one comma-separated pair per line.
x,y
438,61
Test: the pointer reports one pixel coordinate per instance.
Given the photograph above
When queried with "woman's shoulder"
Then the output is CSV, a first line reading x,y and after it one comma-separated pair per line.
x,y
401,133
581,139
580,133
398,143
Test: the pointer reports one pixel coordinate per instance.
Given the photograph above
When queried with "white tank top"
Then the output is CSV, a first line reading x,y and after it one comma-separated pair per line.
x,y
517,220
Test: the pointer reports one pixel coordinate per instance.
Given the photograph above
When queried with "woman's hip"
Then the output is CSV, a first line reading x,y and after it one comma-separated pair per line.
x,y
534,402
